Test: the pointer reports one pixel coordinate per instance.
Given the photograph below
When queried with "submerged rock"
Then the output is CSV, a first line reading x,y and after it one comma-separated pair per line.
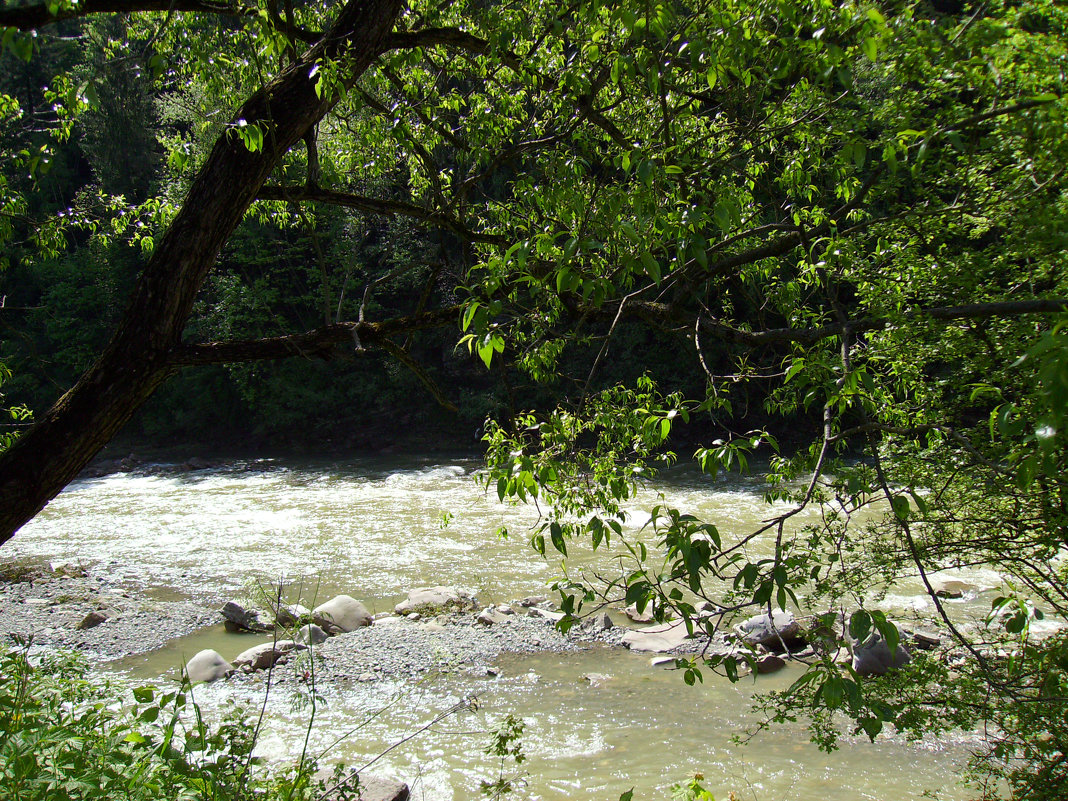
x,y
206,666
341,614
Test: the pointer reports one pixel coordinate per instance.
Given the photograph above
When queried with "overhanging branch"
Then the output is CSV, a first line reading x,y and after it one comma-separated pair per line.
x,y
661,312
38,15
317,343
370,205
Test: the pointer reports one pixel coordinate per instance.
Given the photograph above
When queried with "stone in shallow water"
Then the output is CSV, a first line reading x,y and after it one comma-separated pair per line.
x,y
240,619
771,631
873,658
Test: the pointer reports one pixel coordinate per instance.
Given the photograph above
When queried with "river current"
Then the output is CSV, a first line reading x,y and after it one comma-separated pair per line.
x,y
375,528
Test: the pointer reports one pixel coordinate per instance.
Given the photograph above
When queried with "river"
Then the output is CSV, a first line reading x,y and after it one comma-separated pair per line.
x,y
375,528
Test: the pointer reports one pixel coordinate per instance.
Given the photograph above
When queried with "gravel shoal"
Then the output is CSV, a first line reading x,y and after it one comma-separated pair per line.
x,y
46,607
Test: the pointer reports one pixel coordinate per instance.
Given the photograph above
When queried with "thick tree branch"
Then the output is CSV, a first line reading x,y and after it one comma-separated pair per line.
x,y
38,15
317,343
139,356
388,208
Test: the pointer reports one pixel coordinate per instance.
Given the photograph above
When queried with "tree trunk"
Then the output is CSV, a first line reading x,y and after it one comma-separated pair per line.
x,y
139,357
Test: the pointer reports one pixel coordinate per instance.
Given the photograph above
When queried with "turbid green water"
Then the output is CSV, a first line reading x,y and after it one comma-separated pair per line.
x,y
374,529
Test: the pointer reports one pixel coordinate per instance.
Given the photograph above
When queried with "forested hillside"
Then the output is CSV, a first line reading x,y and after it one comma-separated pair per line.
x,y
842,222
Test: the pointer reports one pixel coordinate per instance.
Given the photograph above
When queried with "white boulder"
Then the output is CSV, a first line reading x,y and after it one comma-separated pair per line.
x,y
341,614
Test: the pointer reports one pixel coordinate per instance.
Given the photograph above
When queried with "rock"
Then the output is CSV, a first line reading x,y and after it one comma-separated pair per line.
x,y
770,663
198,463
310,634
952,590
505,609
364,788
533,600
924,640
596,679
552,617
93,619
772,632
207,666
66,569
490,616
645,616
873,658
435,600
266,655
292,615
662,661
341,614
240,619
598,622
657,639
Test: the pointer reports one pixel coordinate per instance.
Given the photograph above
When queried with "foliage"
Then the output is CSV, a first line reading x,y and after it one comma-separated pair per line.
x,y
844,222
64,736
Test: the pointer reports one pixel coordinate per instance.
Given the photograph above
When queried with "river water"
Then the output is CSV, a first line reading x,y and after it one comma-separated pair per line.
x,y
375,528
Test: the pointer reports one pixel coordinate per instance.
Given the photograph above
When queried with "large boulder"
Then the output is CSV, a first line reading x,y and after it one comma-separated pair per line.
x,y
266,655
873,657
429,601
240,619
207,666
341,614
657,639
772,631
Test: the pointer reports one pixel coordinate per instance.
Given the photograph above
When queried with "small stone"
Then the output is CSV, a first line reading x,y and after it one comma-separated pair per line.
x,y
490,616
645,616
414,616
533,600
552,617
92,620
310,634
492,671
292,615
366,676
596,679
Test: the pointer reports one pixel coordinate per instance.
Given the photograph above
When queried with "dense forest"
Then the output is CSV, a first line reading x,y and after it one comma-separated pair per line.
x,y
830,235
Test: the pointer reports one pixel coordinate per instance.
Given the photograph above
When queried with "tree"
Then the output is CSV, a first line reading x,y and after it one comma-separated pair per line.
x,y
851,214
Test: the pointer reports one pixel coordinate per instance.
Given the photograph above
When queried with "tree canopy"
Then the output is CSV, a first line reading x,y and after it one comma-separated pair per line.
x,y
850,216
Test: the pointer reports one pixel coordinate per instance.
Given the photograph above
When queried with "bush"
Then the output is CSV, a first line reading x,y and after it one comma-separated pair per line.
x,y
64,735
